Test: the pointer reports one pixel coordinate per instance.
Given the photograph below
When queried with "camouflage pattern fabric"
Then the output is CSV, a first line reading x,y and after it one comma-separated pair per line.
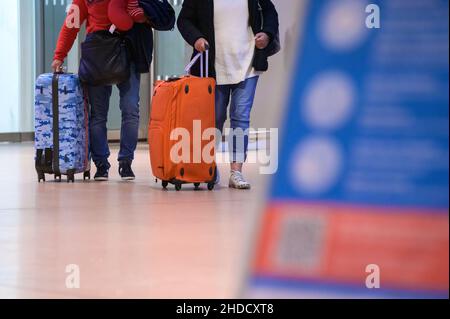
x,y
72,121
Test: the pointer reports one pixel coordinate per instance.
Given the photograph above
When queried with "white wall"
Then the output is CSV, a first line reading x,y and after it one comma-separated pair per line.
x,y
9,66
17,65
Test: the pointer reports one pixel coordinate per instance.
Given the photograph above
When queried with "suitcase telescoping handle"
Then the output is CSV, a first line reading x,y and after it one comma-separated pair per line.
x,y
61,70
200,56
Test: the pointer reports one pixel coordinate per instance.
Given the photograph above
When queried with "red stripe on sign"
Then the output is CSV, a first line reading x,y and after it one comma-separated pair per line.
x,y
337,243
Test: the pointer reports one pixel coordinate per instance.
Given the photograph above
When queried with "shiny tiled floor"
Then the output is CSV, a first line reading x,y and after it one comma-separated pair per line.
x,y
130,240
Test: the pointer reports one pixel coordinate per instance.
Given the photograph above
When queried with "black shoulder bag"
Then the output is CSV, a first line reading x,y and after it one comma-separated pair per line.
x,y
105,59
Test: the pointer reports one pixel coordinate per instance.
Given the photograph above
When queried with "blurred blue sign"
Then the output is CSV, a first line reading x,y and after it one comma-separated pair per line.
x,y
364,165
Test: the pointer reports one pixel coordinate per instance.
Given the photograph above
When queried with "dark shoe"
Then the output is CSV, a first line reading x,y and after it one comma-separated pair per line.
x,y
125,171
102,174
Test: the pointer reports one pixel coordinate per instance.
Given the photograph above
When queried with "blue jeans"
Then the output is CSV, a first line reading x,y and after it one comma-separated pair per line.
x,y
99,97
242,96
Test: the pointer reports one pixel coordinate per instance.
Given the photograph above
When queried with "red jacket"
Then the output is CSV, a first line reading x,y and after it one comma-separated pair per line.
x,y
99,15
124,13
96,14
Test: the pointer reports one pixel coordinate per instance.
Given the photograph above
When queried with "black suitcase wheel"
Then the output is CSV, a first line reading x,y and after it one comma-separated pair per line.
x,y
165,184
197,186
178,187
57,178
41,177
87,175
70,177
211,186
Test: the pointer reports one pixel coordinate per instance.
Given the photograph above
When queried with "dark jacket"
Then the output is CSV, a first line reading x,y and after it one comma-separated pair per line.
x,y
140,37
196,21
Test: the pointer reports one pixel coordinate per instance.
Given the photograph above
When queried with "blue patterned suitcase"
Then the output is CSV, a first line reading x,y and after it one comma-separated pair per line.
x,y
61,127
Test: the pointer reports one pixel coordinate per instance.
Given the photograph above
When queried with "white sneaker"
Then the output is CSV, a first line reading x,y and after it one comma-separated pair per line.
x,y
238,181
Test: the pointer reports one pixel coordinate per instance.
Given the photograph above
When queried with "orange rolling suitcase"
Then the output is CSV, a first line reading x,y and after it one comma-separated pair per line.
x,y
182,130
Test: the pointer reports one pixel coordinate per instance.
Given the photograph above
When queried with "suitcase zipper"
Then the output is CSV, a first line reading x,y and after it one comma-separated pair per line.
x,y
55,114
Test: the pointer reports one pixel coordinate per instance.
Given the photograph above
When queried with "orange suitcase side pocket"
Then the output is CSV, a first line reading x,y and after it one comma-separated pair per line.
x,y
161,103
157,151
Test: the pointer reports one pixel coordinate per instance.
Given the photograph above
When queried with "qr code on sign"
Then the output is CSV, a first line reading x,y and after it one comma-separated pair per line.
x,y
301,243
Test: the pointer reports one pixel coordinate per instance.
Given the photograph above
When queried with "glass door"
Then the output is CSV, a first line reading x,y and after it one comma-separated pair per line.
x,y
171,51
